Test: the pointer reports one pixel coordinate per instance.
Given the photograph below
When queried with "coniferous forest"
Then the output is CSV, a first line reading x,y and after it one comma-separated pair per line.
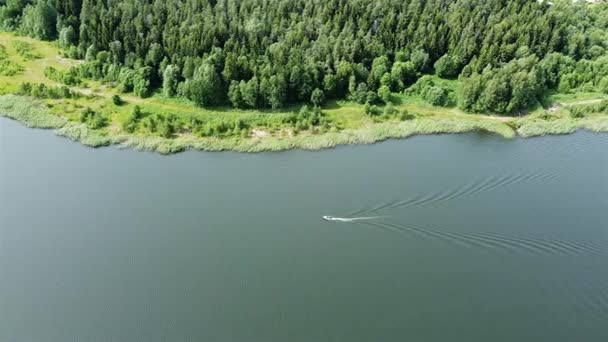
x,y
269,53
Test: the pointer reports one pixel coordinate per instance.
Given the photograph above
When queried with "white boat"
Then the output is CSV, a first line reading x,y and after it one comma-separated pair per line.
x,y
329,218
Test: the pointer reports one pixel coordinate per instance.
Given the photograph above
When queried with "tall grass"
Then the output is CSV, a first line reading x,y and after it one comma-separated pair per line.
x,y
89,137
29,112
595,124
533,128
368,135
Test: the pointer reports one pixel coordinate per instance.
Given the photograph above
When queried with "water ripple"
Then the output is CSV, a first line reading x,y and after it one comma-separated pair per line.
x,y
498,242
470,189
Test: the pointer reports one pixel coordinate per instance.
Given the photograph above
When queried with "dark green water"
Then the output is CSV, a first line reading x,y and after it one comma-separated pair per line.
x,y
478,239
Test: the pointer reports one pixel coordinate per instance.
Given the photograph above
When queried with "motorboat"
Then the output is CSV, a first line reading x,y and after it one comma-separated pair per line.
x,y
329,218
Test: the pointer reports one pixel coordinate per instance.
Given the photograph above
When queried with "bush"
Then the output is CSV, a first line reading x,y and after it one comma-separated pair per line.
x,y
92,119
603,86
447,67
163,125
547,116
68,77
372,97
359,94
222,128
131,124
116,100
26,50
577,112
372,110
580,111
384,93
167,126
405,115
389,109
42,91
317,97
307,118
7,67
435,94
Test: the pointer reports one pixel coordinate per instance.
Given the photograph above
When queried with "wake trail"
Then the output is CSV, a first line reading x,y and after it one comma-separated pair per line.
x,y
353,219
499,241
468,190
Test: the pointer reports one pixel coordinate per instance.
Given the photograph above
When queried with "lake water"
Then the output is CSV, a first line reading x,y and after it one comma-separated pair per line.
x,y
471,238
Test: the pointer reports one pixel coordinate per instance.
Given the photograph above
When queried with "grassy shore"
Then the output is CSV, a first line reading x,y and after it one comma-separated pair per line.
x,y
35,114
347,122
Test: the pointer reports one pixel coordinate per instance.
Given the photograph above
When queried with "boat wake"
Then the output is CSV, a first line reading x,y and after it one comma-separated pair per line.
x,y
350,219
468,190
502,242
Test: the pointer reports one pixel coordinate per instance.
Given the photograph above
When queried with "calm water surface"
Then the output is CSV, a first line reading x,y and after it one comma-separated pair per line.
x,y
471,238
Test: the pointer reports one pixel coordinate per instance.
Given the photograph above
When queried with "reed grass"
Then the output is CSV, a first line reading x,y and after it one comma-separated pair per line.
x,y
29,112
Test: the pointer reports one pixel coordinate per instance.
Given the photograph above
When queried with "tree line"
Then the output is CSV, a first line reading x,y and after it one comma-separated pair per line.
x,y
266,54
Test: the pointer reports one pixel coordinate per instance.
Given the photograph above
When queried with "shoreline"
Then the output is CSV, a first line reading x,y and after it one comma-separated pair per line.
x,y
37,115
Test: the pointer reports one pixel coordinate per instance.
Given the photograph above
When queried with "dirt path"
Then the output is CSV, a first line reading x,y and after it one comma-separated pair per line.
x,y
559,105
489,117
104,93
583,102
498,118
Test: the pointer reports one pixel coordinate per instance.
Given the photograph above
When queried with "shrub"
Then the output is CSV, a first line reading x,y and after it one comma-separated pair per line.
x,y
577,112
580,111
116,100
547,116
68,77
167,126
26,50
8,68
447,67
437,96
603,86
42,91
308,118
359,94
131,124
372,97
317,97
405,115
384,93
92,119
372,110
389,109
224,128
